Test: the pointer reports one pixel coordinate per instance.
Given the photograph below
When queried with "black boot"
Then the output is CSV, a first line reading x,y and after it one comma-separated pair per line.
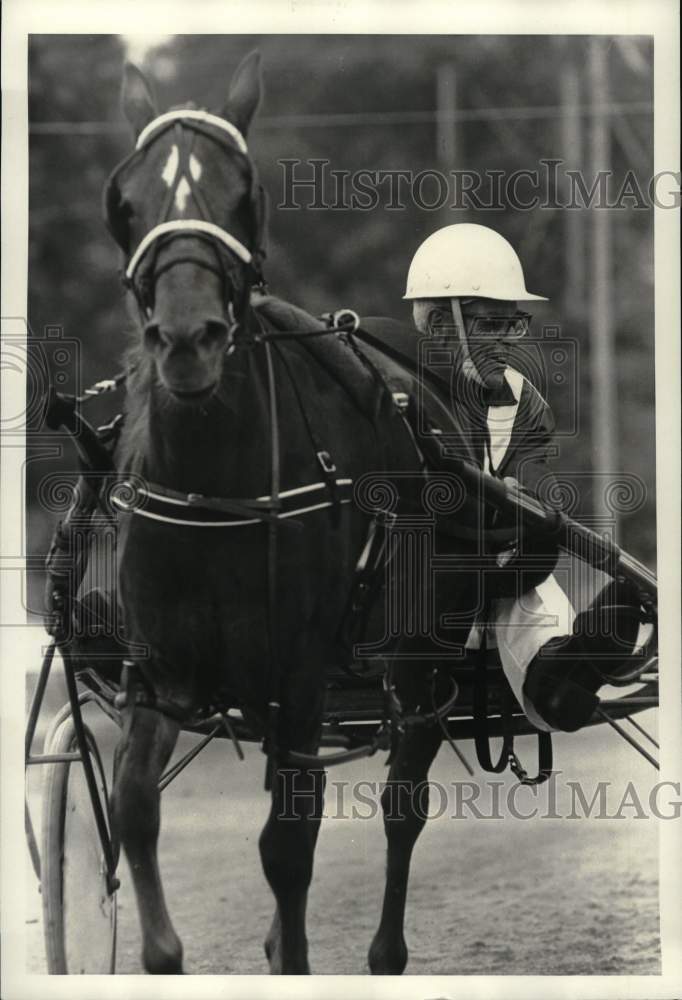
x,y
563,679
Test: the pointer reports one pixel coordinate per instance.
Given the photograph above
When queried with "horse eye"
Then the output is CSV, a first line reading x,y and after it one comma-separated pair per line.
x,y
119,215
125,210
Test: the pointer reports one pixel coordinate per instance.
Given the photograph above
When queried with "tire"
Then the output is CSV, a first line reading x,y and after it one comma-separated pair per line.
x,y
79,915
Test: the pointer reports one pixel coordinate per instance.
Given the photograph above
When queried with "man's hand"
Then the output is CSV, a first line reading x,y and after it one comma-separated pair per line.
x,y
512,484
538,550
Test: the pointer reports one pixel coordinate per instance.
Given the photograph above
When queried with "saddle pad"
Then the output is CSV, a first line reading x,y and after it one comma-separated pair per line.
x,y
284,316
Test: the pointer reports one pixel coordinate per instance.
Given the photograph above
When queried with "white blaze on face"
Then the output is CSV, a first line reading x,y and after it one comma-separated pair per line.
x,y
183,189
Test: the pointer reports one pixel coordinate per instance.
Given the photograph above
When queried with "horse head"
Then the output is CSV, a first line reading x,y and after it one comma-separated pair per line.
x,y
187,210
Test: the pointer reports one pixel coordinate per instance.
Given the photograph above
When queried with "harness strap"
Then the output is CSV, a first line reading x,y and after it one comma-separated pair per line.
x,y
180,115
184,172
195,122
136,691
263,510
189,227
165,212
196,510
481,738
368,581
271,744
323,457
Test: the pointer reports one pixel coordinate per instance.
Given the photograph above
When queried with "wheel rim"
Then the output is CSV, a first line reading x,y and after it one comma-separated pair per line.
x,y
79,914
89,910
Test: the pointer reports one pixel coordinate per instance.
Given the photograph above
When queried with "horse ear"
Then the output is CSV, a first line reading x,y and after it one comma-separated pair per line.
x,y
137,99
245,92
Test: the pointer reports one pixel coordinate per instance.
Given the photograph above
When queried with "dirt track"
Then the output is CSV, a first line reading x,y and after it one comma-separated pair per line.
x,y
488,896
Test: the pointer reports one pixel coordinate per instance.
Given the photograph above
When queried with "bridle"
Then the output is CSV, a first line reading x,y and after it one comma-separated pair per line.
x,y
236,265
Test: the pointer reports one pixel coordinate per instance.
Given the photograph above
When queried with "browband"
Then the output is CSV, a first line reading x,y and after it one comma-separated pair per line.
x,y
190,113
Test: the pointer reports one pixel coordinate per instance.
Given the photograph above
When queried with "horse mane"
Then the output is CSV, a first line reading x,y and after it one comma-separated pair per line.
x,y
140,374
186,106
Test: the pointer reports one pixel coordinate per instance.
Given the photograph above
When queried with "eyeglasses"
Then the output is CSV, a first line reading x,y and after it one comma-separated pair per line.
x,y
498,327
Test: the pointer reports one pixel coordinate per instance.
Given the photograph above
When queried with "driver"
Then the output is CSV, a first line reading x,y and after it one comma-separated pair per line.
x,y
465,283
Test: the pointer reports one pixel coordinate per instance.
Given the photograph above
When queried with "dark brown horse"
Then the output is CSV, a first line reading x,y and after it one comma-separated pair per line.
x,y
238,548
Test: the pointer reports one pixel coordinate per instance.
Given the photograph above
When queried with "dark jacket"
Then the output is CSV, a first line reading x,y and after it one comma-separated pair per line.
x,y
454,406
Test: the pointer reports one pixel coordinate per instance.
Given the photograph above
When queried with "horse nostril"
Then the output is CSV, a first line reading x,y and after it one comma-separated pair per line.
x,y
153,338
214,333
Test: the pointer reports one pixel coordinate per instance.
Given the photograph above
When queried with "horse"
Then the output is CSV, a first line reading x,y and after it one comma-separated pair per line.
x,y
239,540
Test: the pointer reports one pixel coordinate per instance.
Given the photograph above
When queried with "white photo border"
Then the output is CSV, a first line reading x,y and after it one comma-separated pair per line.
x,y
658,18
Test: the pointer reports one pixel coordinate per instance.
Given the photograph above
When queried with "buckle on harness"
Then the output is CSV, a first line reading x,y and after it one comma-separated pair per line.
x,y
401,401
326,462
347,318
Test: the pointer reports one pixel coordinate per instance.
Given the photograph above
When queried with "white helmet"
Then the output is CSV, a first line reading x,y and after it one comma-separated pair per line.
x,y
466,260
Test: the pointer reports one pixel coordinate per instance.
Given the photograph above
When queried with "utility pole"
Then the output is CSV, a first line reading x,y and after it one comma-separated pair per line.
x,y
572,153
602,353
448,153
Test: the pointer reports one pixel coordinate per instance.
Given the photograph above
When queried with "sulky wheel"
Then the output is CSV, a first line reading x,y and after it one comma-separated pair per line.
x,y
79,914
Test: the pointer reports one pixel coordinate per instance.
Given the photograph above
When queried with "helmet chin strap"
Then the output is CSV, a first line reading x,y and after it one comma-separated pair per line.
x,y
468,367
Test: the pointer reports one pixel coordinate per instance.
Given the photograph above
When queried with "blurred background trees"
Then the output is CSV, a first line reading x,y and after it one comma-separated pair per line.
x,y
366,102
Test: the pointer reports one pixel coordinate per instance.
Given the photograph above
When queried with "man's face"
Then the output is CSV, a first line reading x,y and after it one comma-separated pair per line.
x,y
491,327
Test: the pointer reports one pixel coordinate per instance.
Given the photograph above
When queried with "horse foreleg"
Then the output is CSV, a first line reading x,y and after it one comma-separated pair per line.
x,y
287,848
404,820
272,943
142,754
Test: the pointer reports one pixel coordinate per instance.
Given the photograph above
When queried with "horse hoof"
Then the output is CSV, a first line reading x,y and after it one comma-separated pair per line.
x,y
387,960
295,967
161,962
271,949
165,967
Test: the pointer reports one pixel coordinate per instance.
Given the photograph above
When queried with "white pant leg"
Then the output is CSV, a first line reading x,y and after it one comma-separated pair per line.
x,y
522,626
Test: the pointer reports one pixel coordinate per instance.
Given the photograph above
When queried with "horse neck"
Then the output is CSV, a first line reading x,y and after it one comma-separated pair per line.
x,y
221,448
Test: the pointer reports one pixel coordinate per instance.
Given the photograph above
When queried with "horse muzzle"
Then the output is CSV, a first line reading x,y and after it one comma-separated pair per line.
x,y
189,363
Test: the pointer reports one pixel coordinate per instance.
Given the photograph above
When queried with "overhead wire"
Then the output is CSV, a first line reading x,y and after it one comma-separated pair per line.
x,y
373,118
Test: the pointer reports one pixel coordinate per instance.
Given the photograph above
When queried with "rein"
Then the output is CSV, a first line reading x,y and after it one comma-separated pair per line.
x,y
271,744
